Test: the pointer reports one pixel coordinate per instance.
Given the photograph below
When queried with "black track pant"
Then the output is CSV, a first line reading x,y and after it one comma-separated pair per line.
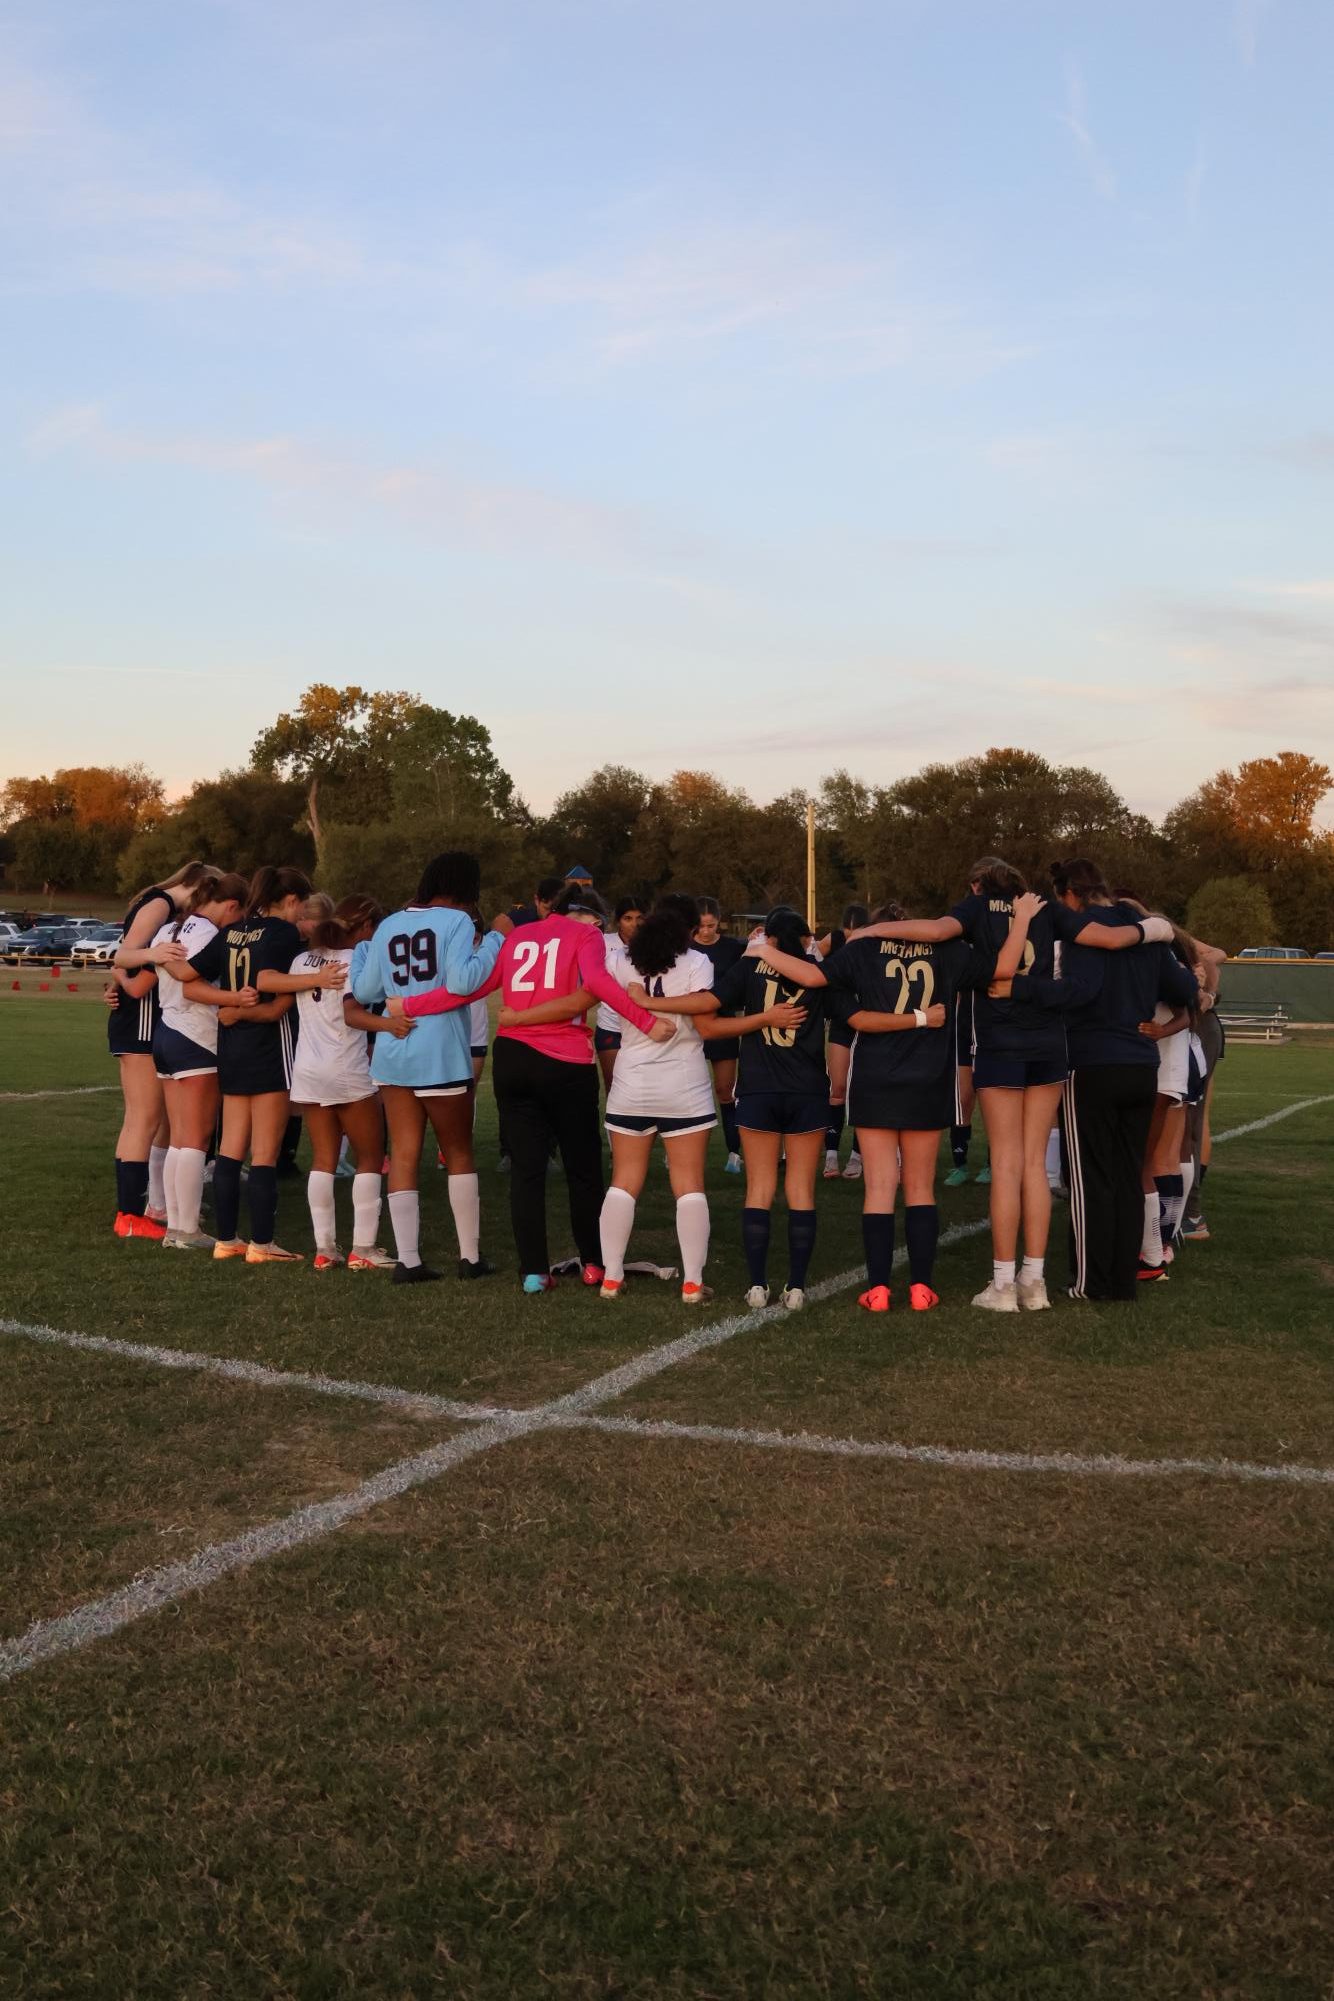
x,y
1106,1110
544,1101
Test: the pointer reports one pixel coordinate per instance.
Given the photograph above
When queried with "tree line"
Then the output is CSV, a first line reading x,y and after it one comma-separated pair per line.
x,y
357,786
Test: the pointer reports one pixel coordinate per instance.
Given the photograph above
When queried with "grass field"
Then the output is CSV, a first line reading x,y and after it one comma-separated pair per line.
x,y
623,1673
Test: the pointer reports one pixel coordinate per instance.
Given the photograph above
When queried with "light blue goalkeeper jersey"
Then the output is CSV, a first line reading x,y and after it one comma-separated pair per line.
x,y
412,951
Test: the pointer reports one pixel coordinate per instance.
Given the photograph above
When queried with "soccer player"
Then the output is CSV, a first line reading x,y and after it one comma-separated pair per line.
x,y
722,1051
607,1030
899,999
333,1086
429,1075
841,1038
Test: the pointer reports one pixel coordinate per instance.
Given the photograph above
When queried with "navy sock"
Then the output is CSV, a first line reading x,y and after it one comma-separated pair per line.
x,y
959,1138
226,1196
800,1245
131,1187
263,1203
921,1228
878,1239
834,1130
1199,1179
755,1242
731,1130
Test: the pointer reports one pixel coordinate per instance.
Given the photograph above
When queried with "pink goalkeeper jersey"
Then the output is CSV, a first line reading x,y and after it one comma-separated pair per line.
x,y
545,962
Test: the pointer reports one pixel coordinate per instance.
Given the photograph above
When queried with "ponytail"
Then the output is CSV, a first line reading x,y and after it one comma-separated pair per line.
x,y
273,885
789,930
354,914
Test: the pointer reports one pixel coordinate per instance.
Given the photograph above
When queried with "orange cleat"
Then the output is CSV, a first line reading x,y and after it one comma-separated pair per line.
x,y
876,1300
922,1299
237,1248
121,1226
269,1254
328,1260
142,1226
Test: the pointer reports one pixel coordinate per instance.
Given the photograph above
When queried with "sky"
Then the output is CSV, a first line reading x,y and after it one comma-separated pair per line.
x,y
765,386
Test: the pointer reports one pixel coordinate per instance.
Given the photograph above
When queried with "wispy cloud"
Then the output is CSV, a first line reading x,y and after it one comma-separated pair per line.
x,y
1247,20
1075,119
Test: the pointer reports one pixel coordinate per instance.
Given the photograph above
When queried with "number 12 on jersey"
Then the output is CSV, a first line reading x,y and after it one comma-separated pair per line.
x,y
526,957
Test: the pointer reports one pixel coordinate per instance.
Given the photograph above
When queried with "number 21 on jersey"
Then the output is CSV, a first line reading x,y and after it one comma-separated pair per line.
x,y
526,957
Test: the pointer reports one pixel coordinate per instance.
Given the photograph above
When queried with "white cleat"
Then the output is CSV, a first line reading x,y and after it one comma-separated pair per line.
x,y
732,1165
188,1240
832,1169
757,1296
853,1170
793,1298
1033,1297
998,1298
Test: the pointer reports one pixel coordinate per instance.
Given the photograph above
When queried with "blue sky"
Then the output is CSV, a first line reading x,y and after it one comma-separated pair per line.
x,y
765,387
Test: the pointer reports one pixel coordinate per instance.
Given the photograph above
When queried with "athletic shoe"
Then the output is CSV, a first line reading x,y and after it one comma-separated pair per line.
x,y
832,1170
539,1281
415,1275
237,1248
757,1297
143,1226
1151,1274
169,1241
956,1177
794,1298
984,1178
998,1298
592,1275
696,1295
1194,1230
478,1268
732,1164
853,1170
374,1259
121,1226
271,1254
1033,1296
191,1240
921,1298
328,1260
156,1215
611,1288
876,1299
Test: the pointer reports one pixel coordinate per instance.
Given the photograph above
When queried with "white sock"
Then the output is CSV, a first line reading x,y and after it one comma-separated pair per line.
x,y
1151,1243
320,1196
617,1221
190,1164
1031,1270
406,1216
1187,1183
169,1188
365,1211
466,1202
1053,1160
1002,1272
157,1193
692,1234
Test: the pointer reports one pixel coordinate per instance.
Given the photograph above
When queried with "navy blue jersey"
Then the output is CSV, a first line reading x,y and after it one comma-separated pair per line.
x,y
888,976
234,958
722,955
133,1019
1004,1027
1106,995
776,1059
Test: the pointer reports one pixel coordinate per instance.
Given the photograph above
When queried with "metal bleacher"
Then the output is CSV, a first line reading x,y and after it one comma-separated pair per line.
x,y
1269,1025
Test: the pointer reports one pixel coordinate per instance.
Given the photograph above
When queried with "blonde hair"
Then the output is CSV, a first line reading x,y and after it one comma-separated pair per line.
x,y
185,878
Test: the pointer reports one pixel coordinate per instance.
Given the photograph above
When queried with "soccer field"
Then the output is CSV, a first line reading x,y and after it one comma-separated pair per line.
x,y
463,1643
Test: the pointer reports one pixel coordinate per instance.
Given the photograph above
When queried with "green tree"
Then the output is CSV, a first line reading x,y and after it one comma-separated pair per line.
x,y
55,854
596,823
1231,911
238,820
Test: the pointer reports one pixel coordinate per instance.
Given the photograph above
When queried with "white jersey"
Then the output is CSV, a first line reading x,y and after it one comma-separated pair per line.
x,y
332,1066
479,1025
666,1080
194,1019
607,1016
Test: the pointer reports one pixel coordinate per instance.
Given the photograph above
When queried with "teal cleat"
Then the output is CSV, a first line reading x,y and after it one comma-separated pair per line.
x,y
956,1177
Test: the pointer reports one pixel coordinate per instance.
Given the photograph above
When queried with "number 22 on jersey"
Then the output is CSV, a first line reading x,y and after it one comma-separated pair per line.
x,y
526,957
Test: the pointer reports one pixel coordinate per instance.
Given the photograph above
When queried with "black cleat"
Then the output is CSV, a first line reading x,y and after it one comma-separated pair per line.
x,y
479,1270
413,1275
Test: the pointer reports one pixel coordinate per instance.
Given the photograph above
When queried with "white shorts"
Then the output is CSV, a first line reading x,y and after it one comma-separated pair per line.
x,y
312,1087
645,1125
1174,1066
443,1090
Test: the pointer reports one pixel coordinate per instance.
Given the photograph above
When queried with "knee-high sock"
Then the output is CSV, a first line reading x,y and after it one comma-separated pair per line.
x,y
731,1130
365,1211
169,1188
190,1163
1187,1183
227,1197
1151,1243
921,1229
692,1234
466,1204
157,1164
614,1226
800,1245
1172,1195
131,1186
262,1188
838,1118
959,1138
878,1242
755,1243
320,1196
405,1215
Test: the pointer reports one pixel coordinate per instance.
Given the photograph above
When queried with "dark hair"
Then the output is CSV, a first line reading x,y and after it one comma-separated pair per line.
x,y
213,887
576,896
336,932
660,940
709,907
996,878
684,907
888,912
1080,878
625,904
855,915
550,888
271,885
453,875
788,929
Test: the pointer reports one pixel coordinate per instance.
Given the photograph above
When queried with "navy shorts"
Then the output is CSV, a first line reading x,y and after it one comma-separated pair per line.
x,y
131,1025
726,1049
606,1038
783,1111
1017,1073
177,1055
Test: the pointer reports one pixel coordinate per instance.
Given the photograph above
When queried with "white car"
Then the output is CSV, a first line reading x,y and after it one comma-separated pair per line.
x,y
97,946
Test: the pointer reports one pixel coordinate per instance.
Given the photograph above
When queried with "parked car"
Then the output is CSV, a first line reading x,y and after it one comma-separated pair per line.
x,y
42,944
1273,952
97,945
1325,955
8,931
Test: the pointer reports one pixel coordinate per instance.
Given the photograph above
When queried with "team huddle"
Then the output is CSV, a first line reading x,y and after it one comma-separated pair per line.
x,y
1082,1027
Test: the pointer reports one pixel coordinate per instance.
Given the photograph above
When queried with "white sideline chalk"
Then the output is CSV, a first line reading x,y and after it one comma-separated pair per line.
x,y
1258,1125
71,1091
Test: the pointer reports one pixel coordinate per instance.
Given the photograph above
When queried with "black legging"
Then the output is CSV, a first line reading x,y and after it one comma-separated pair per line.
x,y
1106,1111
546,1102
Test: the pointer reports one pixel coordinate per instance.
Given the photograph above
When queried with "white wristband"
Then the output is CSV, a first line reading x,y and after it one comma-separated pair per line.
x,y
919,1015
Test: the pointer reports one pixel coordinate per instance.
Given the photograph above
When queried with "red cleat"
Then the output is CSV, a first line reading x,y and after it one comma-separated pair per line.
x,y
143,1226
121,1226
922,1299
593,1274
876,1300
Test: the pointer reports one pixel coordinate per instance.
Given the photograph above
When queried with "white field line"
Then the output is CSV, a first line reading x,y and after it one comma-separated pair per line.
x,y
70,1091
1258,1125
